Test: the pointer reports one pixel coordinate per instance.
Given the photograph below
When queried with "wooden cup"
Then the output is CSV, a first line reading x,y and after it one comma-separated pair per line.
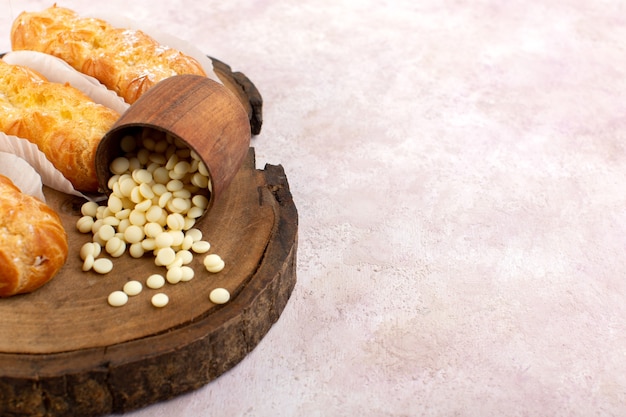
x,y
202,113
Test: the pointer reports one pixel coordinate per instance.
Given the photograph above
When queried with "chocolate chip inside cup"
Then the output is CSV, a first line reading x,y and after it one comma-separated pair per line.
x,y
158,180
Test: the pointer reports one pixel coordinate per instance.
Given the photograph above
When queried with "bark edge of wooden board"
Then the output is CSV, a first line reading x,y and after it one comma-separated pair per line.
x,y
245,90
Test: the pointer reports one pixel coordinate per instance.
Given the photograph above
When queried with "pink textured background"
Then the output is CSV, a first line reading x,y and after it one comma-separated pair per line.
x,y
460,173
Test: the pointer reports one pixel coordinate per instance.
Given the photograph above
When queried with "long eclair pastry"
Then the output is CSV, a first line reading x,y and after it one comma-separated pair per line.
x,y
65,124
126,61
33,243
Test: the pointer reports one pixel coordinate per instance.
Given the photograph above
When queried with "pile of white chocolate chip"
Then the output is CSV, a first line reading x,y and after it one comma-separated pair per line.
x,y
159,189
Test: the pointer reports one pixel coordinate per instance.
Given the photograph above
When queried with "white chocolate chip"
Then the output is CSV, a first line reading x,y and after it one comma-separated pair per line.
x,y
195,212
152,229
189,223
161,146
158,189
100,242
219,296
179,205
136,250
135,195
133,288
184,193
175,221
148,244
106,212
164,256
137,217
164,240
85,224
134,164
88,262
103,265
176,263
111,221
160,300
99,212
185,256
127,185
128,143
173,175
106,232
89,209
124,223
202,169
115,247
119,165
164,199
117,298
144,206
115,203
123,214
196,234
142,176
174,275
134,234
213,263
174,185
177,237
201,246
161,176
200,201
187,243
171,162
148,143
188,273
154,213
97,249
199,180
86,249
157,158
155,281
182,167
144,156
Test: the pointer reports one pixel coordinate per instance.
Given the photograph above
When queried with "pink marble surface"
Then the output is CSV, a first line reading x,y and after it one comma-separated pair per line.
x,y
460,173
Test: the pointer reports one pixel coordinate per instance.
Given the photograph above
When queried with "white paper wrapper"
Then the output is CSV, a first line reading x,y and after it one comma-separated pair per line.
x,y
27,151
158,35
58,71
23,175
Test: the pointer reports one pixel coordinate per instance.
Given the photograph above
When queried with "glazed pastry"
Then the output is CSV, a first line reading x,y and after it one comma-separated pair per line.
x,y
128,62
33,243
65,124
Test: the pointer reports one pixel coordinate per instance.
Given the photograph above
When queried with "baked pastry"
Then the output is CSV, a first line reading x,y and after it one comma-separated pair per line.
x,y
65,124
33,243
128,62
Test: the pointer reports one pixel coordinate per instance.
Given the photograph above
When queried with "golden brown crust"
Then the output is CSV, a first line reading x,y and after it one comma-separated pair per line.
x,y
128,62
64,123
33,242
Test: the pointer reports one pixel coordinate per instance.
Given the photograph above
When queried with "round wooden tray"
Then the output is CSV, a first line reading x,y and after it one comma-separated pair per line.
x,y
65,352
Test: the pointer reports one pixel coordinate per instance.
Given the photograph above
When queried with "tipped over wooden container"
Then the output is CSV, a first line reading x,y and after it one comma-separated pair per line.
x,y
198,111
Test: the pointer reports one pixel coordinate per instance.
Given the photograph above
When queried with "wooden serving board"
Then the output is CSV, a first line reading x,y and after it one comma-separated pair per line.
x,y
65,352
